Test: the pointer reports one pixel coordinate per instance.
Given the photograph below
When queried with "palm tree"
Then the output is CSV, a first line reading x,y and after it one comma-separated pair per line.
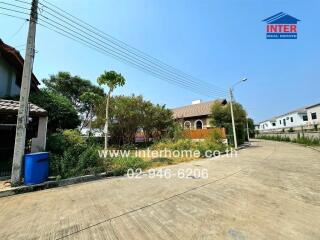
x,y
112,80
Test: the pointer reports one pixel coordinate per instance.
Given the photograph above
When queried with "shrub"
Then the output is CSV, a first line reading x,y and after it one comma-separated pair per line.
x,y
120,165
73,136
89,161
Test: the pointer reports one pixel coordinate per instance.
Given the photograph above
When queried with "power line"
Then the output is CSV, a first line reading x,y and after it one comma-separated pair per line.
x,y
122,45
19,29
13,16
103,51
120,55
13,5
147,64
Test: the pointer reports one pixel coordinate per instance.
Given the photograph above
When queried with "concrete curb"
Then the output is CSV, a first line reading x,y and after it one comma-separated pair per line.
x,y
54,184
70,181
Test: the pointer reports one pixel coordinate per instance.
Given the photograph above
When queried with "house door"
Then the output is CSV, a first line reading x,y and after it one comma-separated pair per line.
x,y
6,149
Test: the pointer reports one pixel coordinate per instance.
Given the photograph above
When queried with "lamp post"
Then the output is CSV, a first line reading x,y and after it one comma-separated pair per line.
x,y
232,115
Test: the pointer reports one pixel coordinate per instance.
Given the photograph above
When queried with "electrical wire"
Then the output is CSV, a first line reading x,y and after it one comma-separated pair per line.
x,y
121,51
121,44
113,52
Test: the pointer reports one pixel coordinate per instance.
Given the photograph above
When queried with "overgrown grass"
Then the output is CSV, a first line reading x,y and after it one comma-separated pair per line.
x,y
120,165
300,139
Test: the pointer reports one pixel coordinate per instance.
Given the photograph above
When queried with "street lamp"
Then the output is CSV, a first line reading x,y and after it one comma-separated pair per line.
x,y
231,109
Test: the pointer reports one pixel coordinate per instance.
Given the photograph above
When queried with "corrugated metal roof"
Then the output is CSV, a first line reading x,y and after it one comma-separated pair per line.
x,y
199,109
10,106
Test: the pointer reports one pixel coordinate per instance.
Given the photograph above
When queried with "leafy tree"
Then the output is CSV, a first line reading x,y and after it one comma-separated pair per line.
x,y
221,117
128,114
112,80
72,87
61,113
91,99
251,127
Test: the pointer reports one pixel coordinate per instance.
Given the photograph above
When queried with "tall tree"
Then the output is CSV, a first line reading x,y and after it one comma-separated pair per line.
x,y
91,99
221,117
112,80
129,114
73,87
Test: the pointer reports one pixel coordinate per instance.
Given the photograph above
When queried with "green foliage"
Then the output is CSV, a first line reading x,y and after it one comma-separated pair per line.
x,y
73,87
120,165
61,113
300,139
73,136
174,131
71,156
112,79
187,144
127,114
221,117
251,127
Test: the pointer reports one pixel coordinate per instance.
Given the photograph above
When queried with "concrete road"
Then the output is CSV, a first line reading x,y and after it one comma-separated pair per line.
x,y
270,191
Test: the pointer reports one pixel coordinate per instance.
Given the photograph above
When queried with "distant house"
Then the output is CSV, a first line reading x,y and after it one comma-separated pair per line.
x,y
11,66
196,115
306,117
313,114
195,118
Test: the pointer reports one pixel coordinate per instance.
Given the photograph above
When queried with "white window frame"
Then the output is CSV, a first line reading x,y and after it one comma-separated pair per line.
x,y
184,125
195,123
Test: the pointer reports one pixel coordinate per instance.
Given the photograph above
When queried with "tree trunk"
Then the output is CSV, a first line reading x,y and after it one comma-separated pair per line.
x,y
90,121
107,122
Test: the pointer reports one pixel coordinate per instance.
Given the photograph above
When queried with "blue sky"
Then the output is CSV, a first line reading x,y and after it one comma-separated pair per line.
x,y
217,41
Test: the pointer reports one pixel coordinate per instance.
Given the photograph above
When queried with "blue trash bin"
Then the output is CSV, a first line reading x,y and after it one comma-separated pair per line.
x,y
36,168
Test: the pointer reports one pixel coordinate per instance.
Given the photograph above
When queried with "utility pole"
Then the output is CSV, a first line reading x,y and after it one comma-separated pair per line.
x,y
232,118
248,130
20,139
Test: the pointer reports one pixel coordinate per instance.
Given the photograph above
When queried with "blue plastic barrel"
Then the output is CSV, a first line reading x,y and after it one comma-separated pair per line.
x,y
36,168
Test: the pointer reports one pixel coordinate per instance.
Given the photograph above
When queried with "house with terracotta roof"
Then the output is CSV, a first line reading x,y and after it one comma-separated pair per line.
x,y
11,67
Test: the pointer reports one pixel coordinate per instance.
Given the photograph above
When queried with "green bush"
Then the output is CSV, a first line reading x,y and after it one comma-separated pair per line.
x,y
120,165
300,139
187,144
70,156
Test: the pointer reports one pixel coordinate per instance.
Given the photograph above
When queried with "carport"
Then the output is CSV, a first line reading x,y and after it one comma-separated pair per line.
x,y
36,132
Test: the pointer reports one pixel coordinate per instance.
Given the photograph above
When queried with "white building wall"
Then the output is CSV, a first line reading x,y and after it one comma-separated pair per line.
x,y
290,120
266,125
315,109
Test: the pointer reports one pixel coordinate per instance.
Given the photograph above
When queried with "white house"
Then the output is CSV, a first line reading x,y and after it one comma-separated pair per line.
x,y
305,117
313,113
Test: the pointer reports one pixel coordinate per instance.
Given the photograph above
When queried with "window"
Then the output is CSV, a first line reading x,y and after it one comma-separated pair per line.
x,y
305,118
313,115
284,122
291,119
273,124
280,121
198,124
187,125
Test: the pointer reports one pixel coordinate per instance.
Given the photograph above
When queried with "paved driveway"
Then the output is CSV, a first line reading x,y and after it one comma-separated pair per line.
x,y
270,191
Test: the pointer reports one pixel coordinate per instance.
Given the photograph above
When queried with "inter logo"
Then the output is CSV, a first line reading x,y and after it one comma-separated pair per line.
x,y
281,26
